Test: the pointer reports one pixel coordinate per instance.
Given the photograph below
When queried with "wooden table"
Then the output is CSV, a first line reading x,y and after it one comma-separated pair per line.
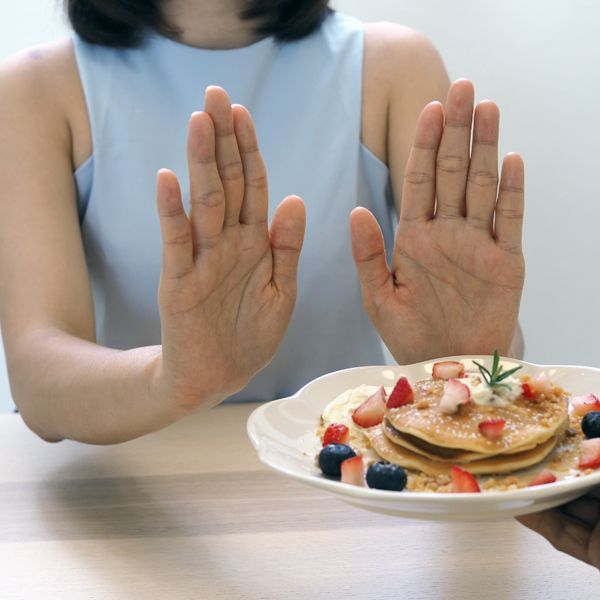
x,y
189,512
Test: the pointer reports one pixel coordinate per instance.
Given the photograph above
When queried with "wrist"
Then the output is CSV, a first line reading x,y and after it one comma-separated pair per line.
x,y
183,395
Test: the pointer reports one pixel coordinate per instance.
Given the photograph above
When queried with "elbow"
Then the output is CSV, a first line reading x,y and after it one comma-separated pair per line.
x,y
28,406
27,413
28,398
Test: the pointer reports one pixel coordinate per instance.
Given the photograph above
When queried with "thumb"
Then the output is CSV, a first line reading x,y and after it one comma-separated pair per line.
x,y
368,250
287,236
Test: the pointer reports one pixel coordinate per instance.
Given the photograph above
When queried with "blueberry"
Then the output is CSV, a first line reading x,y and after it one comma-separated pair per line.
x,y
591,425
386,476
332,456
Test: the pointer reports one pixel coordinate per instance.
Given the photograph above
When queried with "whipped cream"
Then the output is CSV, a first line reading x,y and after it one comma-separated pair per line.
x,y
341,408
484,395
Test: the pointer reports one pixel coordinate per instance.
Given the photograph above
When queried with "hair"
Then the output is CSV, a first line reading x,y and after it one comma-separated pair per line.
x,y
124,23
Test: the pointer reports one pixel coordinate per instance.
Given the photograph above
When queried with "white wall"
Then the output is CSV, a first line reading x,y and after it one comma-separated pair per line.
x,y
29,22
538,60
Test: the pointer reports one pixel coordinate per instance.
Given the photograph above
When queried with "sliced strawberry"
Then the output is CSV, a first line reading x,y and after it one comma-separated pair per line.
x,y
448,369
590,454
541,385
463,481
543,477
492,429
528,391
582,405
455,394
353,471
401,394
371,411
336,433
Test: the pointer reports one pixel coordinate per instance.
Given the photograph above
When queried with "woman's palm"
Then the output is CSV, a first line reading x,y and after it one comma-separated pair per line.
x,y
457,271
228,284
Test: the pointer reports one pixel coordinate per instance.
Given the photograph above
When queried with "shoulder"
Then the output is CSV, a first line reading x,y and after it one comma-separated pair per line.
x,y
399,44
403,71
40,89
38,74
394,53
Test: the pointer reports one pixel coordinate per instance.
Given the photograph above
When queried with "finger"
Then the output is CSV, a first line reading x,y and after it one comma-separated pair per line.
x,y
586,510
418,194
510,205
561,531
482,181
255,206
287,236
218,105
176,231
207,197
368,250
453,154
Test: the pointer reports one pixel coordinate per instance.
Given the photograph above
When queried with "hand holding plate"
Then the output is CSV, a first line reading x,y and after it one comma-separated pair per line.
x,y
573,528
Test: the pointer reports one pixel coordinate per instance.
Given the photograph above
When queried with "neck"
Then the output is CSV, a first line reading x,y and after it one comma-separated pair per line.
x,y
213,24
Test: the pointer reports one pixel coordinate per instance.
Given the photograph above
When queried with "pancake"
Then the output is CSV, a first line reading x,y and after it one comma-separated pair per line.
x,y
414,444
398,455
423,448
527,423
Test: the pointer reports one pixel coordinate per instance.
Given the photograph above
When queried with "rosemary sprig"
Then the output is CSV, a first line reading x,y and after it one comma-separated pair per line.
x,y
497,374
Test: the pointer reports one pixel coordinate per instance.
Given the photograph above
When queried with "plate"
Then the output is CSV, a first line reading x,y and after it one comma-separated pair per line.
x,y
283,435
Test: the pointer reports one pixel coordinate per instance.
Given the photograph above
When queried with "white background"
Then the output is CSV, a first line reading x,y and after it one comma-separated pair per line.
x,y
539,60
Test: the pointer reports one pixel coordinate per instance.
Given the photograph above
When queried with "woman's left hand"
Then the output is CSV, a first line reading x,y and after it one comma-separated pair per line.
x,y
573,528
457,269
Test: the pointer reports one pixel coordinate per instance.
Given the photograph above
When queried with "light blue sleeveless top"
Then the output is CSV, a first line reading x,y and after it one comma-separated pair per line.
x,y
305,98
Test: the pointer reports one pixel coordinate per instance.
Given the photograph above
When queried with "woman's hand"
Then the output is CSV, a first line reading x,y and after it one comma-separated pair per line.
x,y
457,270
228,284
573,528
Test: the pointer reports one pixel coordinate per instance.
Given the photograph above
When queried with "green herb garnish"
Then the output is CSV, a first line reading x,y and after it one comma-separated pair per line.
x,y
497,375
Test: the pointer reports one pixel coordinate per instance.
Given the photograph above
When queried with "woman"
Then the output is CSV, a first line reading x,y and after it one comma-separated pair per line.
x,y
87,122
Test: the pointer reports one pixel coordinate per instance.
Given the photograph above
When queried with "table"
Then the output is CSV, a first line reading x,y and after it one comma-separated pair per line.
x,y
189,512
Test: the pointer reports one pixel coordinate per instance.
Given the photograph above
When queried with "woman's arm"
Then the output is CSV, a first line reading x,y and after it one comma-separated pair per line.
x,y
227,287
403,72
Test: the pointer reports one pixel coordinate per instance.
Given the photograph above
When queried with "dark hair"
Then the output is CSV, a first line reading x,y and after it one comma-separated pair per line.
x,y
124,23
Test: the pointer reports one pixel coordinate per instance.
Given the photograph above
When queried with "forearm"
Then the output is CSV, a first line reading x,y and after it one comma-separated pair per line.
x,y
66,387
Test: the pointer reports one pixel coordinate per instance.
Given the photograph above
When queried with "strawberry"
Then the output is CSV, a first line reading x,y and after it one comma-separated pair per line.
x,y
492,429
541,385
543,477
455,394
463,481
353,471
590,454
401,394
448,369
582,405
528,392
371,411
336,433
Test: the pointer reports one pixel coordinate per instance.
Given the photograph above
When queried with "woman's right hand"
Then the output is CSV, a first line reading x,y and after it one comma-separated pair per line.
x,y
228,283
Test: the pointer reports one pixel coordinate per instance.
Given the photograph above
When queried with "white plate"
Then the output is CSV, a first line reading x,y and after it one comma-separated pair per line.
x,y
283,434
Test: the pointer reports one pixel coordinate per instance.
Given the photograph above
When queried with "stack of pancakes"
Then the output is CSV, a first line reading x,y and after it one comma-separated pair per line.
x,y
420,436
